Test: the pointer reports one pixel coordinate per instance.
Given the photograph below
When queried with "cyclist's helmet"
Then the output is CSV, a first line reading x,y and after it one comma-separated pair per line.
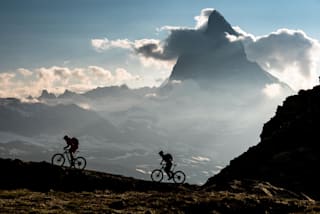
x,y
161,152
66,137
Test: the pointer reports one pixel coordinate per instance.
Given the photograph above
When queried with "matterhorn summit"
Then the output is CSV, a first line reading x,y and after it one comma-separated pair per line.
x,y
216,62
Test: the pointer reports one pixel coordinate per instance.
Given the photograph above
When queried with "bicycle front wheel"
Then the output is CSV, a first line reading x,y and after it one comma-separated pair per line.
x,y
157,175
80,163
58,159
179,177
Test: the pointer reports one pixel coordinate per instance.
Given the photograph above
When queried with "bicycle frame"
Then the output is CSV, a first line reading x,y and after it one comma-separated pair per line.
x,y
64,157
163,165
177,176
67,154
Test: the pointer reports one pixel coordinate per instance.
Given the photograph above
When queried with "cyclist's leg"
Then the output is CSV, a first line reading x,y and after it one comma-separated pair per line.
x,y
167,169
71,155
170,171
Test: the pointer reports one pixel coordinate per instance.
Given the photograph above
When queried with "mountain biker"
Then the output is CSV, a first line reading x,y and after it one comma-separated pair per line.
x,y
167,158
73,143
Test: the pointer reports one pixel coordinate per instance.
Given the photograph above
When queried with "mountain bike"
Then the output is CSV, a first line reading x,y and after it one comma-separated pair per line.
x,y
178,176
60,158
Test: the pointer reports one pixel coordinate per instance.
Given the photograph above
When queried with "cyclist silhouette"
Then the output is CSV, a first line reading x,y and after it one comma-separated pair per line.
x,y
73,143
167,158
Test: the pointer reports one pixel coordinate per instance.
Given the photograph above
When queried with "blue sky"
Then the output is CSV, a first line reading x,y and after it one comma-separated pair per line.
x,y
46,33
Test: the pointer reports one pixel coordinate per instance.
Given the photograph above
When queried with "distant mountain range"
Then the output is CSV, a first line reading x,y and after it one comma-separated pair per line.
x,y
100,92
30,119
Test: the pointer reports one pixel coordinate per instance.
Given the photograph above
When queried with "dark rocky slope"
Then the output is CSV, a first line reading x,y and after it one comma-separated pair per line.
x,y
42,176
288,154
33,187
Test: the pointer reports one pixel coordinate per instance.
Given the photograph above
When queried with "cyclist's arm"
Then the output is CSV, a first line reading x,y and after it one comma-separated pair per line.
x,y
66,147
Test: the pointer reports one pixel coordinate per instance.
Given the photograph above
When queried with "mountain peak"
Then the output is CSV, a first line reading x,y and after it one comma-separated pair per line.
x,y
218,25
46,95
217,62
67,94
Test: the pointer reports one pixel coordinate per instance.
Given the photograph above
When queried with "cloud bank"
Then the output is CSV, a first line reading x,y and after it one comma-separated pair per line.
x,y
289,55
140,48
56,79
153,52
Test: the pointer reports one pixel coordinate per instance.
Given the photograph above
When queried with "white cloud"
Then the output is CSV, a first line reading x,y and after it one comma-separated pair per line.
x,y
177,82
179,41
202,19
172,28
141,171
199,158
272,90
84,105
152,95
57,79
149,62
6,83
25,72
155,53
122,74
201,22
289,55
104,44
5,78
243,35
101,73
140,48
100,44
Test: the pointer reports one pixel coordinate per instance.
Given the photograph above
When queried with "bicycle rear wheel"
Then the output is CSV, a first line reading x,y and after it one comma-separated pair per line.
x,y
58,159
80,163
179,177
157,175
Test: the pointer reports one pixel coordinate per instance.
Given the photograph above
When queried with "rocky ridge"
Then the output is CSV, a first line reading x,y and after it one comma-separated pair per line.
x,y
288,154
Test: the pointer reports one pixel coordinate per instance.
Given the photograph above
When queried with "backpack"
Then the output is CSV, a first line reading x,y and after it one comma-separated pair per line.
x,y
75,142
168,157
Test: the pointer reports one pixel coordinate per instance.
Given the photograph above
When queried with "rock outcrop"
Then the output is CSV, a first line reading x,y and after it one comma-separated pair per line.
x,y
288,154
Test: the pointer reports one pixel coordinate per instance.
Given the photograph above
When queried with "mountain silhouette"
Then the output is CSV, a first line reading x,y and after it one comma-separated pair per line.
x,y
288,154
218,26
216,62
46,95
31,119
67,94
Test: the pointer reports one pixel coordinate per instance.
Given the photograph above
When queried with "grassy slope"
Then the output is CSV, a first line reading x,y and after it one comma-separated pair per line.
x,y
29,187
26,201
